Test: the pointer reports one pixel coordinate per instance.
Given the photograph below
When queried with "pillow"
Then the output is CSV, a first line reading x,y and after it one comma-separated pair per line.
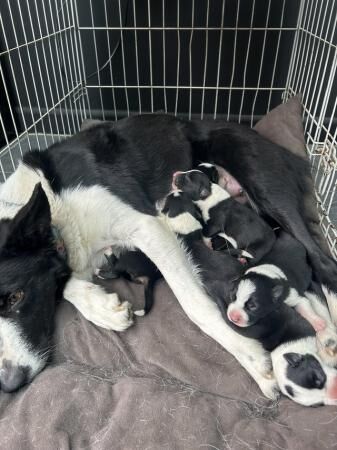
x,y
283,126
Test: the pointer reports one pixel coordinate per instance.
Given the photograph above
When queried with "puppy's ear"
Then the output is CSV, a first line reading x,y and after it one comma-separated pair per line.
x,y
30,228
214,175
277,292
293,359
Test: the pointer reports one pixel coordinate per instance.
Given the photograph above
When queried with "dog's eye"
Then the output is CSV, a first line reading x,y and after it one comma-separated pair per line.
x,y
251,305
15,297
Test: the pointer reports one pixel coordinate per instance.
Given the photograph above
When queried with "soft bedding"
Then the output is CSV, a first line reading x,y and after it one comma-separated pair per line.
x,y
162,384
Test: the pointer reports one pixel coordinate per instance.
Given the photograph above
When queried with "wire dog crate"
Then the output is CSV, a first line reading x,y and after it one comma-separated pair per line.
x,y
62,61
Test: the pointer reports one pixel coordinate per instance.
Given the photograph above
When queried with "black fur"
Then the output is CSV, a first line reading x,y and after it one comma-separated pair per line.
x,y
305,371
136,267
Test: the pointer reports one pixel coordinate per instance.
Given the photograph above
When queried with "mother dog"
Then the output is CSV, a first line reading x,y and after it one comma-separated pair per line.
x,y
99,188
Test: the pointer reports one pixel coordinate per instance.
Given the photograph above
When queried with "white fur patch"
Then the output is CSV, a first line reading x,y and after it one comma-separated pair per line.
x,y
184,223
218,194
231,240
13,348
208,165
268,270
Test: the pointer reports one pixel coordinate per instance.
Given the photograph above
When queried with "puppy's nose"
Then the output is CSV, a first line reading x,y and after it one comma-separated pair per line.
x,y
13,377
235,316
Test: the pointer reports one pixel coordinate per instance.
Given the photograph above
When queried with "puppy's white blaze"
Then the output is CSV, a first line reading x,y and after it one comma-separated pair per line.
x,y
245,289
303,396
218,194
247,254
13,348
331,298
231,240
268,270
185,223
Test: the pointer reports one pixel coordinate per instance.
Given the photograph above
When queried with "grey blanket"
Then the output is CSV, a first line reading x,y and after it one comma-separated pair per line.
x,y
162,384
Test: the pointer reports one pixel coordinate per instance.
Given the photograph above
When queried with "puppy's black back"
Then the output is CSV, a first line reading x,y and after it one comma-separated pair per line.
x,y
291,257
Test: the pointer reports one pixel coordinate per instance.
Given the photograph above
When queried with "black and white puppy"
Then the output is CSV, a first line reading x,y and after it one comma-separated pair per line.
x,y
283,276
218,271
134,266
301,372
223,215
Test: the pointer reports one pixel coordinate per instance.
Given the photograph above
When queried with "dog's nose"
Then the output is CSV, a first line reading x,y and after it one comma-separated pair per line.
x,y
12,377
235,316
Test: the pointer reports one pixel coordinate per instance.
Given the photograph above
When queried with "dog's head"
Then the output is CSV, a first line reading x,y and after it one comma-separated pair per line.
x,y
302,375
255,298
193,183
32,276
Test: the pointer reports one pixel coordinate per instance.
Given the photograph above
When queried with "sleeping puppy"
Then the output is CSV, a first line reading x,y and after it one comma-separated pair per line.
x,y
134,266
218,271
222,214
283,276
301,373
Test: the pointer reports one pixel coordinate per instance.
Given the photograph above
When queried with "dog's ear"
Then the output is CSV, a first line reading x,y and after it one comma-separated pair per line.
x,y
293,359
30,228
277,292
214,175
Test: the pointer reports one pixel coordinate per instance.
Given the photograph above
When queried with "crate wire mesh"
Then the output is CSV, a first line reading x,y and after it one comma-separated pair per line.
x,y
62,61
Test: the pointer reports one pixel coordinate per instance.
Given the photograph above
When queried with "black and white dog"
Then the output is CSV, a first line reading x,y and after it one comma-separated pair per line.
x,y
99,189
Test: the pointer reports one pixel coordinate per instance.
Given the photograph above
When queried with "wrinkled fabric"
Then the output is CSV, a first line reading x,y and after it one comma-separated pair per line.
x,y
162,384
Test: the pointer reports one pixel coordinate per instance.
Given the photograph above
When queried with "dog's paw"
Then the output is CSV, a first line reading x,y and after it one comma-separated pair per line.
x,y
103,309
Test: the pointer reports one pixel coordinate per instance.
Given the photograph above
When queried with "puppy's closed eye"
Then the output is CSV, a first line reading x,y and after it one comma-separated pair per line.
x,y
12,300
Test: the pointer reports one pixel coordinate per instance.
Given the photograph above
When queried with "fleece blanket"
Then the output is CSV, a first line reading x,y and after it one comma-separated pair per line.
x,y
162,384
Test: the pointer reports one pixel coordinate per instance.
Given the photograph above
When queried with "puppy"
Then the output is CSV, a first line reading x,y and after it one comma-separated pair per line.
x,y
222,214
134,266
283,276
218,271
299,369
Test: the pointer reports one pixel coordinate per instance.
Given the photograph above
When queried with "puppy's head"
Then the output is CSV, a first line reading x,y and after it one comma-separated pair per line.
x,y
194,183
210,170
302,375
255,298
181,214
32,276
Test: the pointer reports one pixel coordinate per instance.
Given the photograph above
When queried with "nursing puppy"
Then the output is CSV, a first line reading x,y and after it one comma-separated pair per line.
x,y
223,215
134,266
283,276
218,271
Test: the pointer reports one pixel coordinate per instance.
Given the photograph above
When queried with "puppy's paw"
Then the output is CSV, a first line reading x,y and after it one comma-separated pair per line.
x,y
327,345
269,388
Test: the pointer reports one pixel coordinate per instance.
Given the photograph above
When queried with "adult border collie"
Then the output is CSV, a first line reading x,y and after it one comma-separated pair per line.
x,y
99,188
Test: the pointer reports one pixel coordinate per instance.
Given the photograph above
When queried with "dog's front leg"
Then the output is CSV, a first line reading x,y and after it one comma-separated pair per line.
x,y
161,246
103,309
